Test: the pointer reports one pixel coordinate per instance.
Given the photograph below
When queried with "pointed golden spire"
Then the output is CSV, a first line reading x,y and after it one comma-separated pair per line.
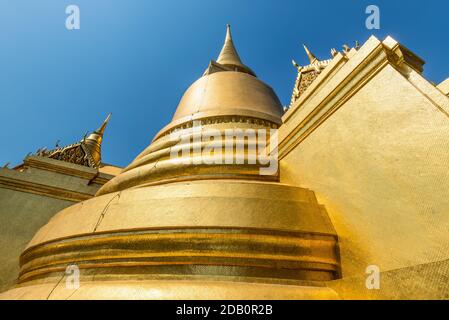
x,y
105,123
229,56
310,55
93,141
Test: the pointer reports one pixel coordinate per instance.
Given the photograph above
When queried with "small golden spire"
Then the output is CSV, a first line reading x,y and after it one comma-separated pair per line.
x,y
105,123
228,32
310,55
93,141
296,65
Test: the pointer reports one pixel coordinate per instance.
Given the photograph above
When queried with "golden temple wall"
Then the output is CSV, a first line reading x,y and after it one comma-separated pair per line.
x,y
21,215
444,87
379,163
30,198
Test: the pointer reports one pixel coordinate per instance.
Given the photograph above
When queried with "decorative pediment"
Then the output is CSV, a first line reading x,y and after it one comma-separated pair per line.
x,y
76,153
307,75
86,153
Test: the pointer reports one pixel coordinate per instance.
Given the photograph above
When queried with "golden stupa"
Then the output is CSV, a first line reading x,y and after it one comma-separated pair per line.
x,y
166,229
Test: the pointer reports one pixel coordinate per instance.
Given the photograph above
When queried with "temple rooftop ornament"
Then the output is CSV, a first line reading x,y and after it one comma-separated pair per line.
x,y
310,55
228,59
308,74
86,152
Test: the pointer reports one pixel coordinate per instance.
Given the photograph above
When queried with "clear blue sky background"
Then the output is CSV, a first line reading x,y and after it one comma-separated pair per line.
x,y
136,58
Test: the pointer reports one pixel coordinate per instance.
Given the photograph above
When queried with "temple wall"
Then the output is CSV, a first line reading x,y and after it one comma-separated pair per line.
x,y
380,164
21,215
30,198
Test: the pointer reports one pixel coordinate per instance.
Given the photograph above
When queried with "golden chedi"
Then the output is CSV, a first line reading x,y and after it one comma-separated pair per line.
x,y
176,228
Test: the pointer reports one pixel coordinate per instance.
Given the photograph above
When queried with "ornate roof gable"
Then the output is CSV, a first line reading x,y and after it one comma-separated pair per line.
x,y
307,75
86,153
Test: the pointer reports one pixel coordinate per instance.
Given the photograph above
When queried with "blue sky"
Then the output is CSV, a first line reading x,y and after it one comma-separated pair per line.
x,y
135,58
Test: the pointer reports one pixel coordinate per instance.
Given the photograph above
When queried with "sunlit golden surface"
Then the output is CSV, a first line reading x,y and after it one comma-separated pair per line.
x,y
367,138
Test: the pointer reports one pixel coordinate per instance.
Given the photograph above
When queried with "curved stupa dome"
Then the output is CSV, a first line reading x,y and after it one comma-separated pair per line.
x,y
227,88
229,93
